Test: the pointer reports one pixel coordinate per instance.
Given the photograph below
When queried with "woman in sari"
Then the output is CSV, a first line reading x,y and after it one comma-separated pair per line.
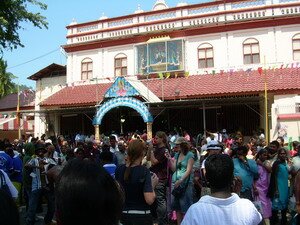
x,y
262,183
278,189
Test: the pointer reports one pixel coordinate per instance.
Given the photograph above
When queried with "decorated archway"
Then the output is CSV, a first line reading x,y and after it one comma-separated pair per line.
x,y
120,95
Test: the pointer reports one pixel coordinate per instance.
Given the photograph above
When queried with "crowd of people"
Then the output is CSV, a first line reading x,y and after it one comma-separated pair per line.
x,y
222,179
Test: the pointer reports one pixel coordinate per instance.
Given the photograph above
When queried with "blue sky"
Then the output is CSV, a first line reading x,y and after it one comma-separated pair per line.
x,y
60,13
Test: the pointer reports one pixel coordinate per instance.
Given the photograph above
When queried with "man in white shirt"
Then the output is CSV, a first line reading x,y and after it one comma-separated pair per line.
x,y
222,206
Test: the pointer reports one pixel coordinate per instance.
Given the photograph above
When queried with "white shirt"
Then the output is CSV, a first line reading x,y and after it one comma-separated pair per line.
x,y
216,211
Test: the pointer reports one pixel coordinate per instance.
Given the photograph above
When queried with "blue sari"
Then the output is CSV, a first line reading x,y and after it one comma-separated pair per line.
x,y
281,197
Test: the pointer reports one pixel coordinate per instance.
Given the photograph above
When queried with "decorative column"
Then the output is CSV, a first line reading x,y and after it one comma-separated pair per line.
x,y
97,133
149,131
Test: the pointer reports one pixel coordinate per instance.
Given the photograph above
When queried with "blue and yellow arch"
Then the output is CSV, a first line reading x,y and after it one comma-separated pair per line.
x,y
130,102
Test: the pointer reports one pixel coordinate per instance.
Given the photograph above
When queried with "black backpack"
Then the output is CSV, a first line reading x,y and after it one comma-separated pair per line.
x,y
3,185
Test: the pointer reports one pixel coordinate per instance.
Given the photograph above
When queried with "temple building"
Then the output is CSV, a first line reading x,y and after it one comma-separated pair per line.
x,y
209,66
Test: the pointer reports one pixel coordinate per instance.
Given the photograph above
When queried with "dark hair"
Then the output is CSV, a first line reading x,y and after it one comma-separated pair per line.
x,y
136,149
9,213
276,143
112,137
242,148
282,150
219,171
162,135
295,144
106,157
87,194
260,152
238,136
281,139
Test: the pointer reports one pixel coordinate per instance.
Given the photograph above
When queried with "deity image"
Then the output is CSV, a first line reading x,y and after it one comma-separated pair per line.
x,y
122,90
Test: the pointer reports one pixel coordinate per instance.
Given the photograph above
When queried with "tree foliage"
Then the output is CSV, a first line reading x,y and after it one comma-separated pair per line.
x,y
12,14
6,84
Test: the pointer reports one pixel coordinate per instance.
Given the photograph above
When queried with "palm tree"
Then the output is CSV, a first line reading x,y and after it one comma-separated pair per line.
x,y
6,84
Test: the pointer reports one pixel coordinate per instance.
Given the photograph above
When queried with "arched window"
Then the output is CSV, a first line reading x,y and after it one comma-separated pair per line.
x,y
86,69
120,65
296,47
251,51
205,56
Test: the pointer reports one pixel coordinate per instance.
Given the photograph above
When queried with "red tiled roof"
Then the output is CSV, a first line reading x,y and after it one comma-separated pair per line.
x,y
10,101
195,86
78,95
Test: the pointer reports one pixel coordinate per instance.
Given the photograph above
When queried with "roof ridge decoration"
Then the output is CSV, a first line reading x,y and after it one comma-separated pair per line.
x,y
121,88
159,5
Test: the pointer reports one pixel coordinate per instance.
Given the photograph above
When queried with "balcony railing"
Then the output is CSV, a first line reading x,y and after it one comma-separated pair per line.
x,y
179,18
288,109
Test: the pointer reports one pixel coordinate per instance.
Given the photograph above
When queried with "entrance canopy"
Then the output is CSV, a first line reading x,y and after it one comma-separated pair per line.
x,y
130,102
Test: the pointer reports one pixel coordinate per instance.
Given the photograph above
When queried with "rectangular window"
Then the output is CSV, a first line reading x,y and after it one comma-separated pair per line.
x,y
86,70
121,66
296,49
251,53
205,57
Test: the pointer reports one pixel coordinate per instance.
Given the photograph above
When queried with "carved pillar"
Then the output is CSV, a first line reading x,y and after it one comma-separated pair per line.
x,y
97,133
149,131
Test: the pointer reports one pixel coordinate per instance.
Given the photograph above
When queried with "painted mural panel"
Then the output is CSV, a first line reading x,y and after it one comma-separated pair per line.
x,y
159,57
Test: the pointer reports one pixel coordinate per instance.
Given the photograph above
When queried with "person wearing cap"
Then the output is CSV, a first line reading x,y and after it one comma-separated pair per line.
x,y
213,147
182,166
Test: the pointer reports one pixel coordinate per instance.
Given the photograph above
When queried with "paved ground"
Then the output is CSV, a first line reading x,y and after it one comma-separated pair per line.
x,y
39,216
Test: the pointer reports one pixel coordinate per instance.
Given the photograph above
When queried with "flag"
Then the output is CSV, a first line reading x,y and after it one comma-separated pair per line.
x,y
186,74
260,70
161,76
273,68
248,71
168,75
25,93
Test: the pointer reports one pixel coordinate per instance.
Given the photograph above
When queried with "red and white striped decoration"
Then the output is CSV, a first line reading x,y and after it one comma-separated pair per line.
x,y
12,124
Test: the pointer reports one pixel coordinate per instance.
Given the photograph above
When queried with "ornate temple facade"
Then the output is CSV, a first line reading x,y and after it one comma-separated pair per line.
x,y
220,64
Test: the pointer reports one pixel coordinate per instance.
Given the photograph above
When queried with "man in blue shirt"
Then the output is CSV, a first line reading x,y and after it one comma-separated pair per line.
x,y
247,170
6,162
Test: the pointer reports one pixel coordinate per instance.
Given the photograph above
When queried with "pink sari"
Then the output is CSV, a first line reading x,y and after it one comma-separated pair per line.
x,y
262,185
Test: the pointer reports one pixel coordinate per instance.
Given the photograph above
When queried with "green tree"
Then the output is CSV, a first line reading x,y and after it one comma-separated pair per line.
x,y
6,84
12,14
